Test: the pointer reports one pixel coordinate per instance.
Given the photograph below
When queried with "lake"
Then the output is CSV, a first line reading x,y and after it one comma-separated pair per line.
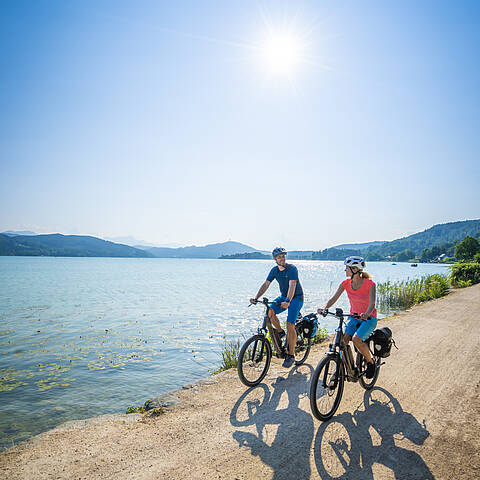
x,y
81,337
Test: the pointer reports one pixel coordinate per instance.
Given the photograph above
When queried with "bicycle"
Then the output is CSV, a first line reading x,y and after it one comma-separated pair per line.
x,y
256,353
326,388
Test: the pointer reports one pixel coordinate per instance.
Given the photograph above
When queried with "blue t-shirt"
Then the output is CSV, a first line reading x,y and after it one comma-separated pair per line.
x,y
283,277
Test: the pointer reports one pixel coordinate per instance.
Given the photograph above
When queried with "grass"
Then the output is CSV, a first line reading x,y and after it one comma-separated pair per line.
x,y
230,351
394,296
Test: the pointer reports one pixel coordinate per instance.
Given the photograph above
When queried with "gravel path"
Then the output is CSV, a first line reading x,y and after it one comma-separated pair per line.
x,y
421,421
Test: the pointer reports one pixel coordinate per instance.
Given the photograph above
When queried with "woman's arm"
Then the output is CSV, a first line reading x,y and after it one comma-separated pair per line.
x,y
335,297
371,305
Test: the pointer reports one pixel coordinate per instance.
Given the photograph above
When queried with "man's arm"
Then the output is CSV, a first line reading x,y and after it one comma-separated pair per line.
x,y
292,284
291,292
262,290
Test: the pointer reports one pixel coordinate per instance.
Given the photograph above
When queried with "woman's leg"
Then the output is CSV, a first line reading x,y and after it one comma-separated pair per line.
x,y
362,348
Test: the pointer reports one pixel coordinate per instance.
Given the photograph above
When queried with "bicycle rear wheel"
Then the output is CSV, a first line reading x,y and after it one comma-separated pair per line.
x,y
326,388
254,360
302,348
368,383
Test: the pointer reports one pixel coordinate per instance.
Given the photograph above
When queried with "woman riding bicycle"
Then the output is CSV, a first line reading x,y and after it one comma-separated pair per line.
x,y
361,293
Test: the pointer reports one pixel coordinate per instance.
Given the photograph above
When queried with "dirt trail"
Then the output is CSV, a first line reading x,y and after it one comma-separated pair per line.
x,y
421,422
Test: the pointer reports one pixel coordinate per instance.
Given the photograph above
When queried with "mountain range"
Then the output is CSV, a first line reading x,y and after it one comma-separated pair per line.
x,y
28,243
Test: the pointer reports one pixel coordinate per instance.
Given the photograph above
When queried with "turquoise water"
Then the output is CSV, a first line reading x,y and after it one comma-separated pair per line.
x,y
85,336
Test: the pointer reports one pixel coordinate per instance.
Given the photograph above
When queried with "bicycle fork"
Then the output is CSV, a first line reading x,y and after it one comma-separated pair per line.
x,y
332,385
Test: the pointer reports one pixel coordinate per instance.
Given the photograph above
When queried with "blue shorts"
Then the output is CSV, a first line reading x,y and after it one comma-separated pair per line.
x,y
361,328
293,310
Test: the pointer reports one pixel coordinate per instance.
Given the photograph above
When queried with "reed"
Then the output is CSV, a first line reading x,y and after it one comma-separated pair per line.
x,y
395,296
229,354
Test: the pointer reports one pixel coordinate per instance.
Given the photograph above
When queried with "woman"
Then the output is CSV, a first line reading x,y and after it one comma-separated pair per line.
x,y
361,293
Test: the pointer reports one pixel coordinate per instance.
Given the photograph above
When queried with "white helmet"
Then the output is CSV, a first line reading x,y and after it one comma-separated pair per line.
x,y
354,261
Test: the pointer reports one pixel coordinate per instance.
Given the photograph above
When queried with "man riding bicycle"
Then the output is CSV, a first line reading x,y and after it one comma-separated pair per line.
x,y
291,298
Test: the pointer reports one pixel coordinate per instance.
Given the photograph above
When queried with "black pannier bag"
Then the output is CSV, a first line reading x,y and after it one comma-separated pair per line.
x,y
309,325
382,342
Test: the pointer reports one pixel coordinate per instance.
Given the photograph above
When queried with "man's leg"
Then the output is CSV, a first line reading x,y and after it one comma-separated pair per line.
x,y
292,338
275,322
293,311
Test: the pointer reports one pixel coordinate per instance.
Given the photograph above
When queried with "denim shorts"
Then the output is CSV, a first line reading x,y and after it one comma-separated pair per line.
x,y
293,310
361,328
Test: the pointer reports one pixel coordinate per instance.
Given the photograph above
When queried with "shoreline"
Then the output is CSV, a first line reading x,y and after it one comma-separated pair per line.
x,y
169,399
228,431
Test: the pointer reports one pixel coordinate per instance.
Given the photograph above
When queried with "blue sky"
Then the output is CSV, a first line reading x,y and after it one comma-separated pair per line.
x,y
165,120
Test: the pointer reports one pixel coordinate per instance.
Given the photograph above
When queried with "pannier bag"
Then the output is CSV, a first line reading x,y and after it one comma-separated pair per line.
x,y
382,342
309,326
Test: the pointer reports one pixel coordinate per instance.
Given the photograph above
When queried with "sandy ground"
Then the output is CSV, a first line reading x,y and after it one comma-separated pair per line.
x,y
420,421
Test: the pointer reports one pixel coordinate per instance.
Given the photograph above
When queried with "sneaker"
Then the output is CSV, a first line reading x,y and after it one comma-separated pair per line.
x,y
370,372
289,361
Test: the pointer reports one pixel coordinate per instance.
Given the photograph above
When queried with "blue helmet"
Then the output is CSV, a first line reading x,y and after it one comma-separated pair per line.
x,y
278,251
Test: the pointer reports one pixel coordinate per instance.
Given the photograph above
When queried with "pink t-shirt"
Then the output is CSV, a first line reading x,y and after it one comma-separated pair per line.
x,y
359,299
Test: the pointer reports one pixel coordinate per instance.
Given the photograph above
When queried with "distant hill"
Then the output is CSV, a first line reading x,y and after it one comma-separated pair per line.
x,y
434,236
14,233
131,241
246,256
214,250
57,245
357,246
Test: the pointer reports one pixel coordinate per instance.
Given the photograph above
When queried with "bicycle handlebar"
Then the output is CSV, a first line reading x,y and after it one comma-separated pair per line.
x,y
338,311
264,301
339,314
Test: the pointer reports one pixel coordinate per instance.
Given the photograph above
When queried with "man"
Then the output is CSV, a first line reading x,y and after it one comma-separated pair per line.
x,y
291,298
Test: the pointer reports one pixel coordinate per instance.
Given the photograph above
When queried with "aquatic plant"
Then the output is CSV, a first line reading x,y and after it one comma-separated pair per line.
x,y
394,296
229,354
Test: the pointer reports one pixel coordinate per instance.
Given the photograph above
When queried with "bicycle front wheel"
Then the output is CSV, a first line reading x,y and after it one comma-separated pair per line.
x,y
326,387
254,360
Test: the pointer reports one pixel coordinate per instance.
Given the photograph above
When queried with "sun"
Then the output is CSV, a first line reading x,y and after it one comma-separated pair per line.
x,y
282,52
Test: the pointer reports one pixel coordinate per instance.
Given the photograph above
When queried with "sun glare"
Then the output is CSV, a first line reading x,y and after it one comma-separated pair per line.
x,y
282,52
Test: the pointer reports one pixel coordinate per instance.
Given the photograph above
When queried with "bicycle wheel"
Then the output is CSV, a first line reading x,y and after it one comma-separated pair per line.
x,y
326,390
367,383
302,348
254,360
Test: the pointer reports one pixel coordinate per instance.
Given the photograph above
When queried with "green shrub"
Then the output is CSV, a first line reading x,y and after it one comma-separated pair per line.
x,y
465,272
136,409
321,335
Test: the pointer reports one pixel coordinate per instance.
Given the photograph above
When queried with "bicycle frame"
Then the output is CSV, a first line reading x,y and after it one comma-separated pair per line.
x,y
267,326
342,350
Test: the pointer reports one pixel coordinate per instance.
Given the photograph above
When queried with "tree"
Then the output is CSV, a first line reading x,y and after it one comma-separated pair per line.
x,y
467,248
404,256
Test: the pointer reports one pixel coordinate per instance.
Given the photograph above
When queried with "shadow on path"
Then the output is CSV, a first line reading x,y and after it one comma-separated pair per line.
x,y
287,451
349,445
